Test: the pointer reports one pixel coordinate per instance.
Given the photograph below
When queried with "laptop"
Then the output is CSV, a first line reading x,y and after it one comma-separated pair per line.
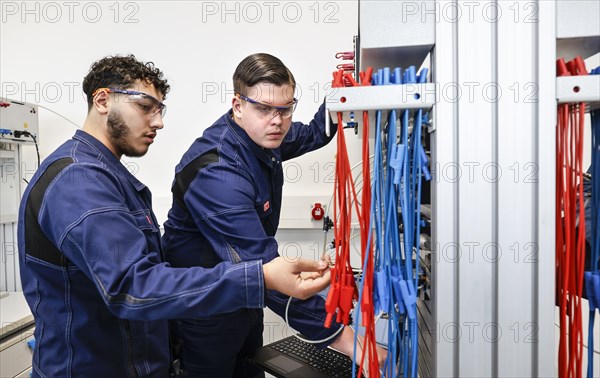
x,y
294,358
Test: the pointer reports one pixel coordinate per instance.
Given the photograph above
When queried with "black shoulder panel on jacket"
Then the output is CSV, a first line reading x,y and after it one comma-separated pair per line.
x,y
184,178
36,242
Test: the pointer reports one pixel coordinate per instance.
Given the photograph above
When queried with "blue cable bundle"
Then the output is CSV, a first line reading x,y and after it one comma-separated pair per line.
x,y
391,238
592,277
380,294
396,183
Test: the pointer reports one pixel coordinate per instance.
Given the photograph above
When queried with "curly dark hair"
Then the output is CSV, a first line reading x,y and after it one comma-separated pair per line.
x,y
121,72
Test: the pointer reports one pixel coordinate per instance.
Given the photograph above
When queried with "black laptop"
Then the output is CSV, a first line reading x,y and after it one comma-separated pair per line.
x,y
294,358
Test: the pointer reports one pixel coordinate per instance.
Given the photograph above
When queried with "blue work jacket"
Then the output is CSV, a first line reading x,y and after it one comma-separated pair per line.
x,y
227,202
93,273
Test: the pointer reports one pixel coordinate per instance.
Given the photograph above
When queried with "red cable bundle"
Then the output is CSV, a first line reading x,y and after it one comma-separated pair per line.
x,y
367,305
570,244
343,288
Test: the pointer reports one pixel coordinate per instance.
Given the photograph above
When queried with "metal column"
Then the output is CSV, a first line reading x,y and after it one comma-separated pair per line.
x,y
493,204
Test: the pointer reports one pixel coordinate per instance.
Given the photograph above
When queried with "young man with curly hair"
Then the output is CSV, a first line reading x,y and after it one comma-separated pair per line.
x,y
91,261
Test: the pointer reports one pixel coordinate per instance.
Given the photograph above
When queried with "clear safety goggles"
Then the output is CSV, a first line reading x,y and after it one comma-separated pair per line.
x,y
271,111
150,105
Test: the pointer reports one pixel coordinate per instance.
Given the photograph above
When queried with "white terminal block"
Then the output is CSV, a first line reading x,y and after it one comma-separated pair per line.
x,y
351,100
585,88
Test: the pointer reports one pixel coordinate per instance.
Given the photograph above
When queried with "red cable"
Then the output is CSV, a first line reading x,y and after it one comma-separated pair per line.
x,y
560,240
570,226
367,250
343,289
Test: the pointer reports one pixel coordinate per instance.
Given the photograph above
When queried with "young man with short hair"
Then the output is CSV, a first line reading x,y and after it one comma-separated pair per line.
x,y
227,197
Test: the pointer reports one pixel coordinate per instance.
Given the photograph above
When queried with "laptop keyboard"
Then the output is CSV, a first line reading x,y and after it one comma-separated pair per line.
x,y
326,361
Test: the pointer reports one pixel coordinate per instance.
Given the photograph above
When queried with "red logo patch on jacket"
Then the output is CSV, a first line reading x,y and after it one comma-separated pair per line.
x,y
266,206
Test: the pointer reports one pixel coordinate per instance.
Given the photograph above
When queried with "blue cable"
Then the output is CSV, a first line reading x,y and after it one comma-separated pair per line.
x,y
391,237
388,240
419,160
377,164
381,298
397,184
592,277
380,292
595,168
407,218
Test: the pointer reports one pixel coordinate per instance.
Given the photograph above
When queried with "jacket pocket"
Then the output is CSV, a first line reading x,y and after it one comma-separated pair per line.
x,y
145,223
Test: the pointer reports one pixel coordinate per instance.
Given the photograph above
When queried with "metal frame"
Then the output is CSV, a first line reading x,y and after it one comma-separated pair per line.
x,y
493,151
493,271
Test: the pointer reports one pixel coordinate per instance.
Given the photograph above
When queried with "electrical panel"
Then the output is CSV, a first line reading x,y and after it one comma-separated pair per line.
x,y
18,131
18,121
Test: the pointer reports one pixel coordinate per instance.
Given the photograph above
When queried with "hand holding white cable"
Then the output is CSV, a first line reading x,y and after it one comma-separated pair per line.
x,y
290,278
326,260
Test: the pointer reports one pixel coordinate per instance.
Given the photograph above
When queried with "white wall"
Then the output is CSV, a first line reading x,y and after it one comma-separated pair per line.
x,y
48,47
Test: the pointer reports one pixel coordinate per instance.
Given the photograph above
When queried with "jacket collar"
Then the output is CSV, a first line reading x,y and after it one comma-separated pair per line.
x,y
265,155
108,158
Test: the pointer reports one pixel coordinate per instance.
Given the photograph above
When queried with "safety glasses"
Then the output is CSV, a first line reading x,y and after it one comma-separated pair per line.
x,y
148,104
271,111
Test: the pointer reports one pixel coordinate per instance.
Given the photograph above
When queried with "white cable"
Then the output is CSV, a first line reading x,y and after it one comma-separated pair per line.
x,y
371,157
296,334
287,323
58,114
